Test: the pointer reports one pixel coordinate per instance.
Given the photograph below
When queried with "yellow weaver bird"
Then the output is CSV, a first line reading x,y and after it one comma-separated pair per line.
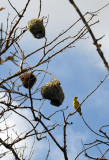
x,y
76,104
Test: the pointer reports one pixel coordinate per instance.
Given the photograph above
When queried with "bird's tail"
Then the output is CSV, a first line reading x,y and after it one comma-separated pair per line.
x,y
79,111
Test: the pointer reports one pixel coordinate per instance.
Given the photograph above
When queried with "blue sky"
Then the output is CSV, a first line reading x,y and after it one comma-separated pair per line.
x,y
79,69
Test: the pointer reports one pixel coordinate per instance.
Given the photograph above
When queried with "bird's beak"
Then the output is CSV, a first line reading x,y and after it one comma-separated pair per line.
x,y
76,97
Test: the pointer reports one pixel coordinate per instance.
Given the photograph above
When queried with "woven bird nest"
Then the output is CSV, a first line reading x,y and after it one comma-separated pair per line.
x,y
37,28
28,80
53,91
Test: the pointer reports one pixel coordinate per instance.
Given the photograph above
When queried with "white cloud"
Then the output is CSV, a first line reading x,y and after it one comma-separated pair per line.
x,y
73,145
74,141
20,126
60,19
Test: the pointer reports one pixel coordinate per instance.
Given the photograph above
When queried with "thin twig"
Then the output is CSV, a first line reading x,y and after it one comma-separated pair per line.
x,y
14,8
40,8
95,41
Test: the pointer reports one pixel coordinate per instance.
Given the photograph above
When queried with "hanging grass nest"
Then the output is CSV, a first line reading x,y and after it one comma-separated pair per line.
x,y
37,28
53,91
28,80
